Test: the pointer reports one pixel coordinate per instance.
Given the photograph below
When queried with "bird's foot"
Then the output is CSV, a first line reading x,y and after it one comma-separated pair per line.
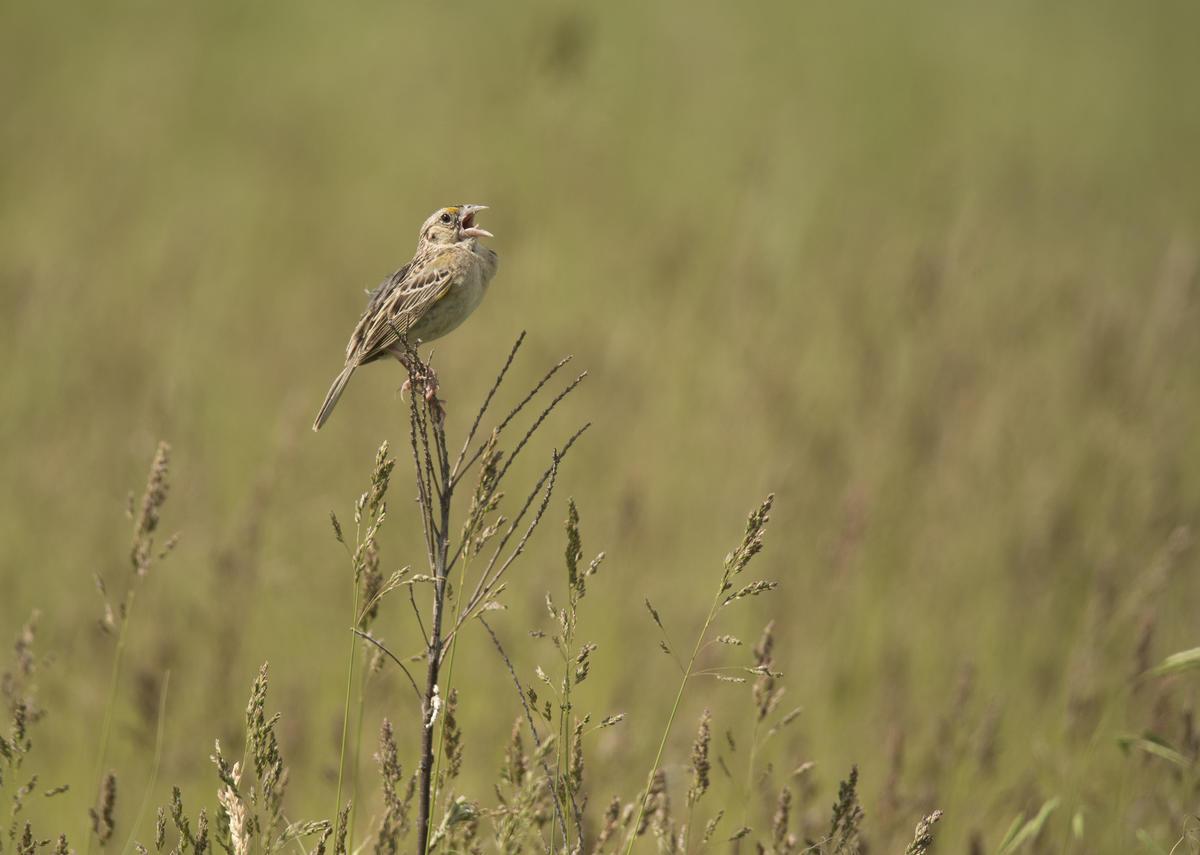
x,y
436,405
426,380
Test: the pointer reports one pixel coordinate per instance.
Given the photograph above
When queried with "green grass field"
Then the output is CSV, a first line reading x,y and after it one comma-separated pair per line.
x,y
928,272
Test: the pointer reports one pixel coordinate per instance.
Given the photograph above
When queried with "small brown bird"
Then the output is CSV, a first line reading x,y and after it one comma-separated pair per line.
x,y
424,299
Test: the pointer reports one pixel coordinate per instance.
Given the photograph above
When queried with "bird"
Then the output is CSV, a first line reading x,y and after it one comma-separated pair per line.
x,y
423,300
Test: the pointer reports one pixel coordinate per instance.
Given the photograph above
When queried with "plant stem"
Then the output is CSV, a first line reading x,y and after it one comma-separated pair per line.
x,y
346,712
158,747
564,725
750,769
662,744
358,726
462,576
431,687
114,678
441,550
564,750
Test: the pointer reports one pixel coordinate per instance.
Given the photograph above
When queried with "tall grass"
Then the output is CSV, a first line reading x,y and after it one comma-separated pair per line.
x,y
543,796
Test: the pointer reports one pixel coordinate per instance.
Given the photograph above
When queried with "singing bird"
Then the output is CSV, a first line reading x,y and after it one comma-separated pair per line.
x,y
424,299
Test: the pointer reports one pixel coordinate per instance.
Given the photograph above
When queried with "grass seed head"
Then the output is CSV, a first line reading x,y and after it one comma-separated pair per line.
x,y
146,518
103,821
179,817
710,828
700,762
160,829
453,736
515,762
847,817
583,662
200,847
779,824
575,580
339,838
26,845
923,836
610,826
235,816
765,694
372,582
752,540
323,840
575,770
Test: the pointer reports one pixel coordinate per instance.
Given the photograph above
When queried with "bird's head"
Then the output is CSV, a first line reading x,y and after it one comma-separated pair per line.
x,y
454,224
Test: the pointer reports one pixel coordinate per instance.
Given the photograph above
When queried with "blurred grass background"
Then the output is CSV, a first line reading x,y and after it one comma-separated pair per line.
x,y
927,271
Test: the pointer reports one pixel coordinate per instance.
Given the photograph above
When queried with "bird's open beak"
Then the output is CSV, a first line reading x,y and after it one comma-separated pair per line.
x,y
468,221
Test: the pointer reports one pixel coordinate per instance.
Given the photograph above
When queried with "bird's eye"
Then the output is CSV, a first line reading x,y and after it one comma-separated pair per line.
x,y
445,218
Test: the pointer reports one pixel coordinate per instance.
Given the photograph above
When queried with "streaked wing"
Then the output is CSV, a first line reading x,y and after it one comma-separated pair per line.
x,y
374,299
393,309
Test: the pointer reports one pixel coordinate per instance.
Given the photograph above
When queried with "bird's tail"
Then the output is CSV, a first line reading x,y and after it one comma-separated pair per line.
x,y
335,392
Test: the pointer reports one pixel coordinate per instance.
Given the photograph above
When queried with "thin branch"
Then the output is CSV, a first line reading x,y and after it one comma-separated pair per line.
x,y
427,774
485,584
417,611
537,388
423,499
514,411
417,427
667,645
390,655
422,425
487,402
524,508
528,501
533,524
537,424
392,583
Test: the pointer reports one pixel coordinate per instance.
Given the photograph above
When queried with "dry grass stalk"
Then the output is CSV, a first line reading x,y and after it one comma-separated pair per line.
x,y
249,815
436,479
847,817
